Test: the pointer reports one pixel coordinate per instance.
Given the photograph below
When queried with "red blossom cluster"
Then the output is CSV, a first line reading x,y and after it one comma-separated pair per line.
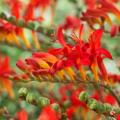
x,y
57,60
75,61
98,13
16,7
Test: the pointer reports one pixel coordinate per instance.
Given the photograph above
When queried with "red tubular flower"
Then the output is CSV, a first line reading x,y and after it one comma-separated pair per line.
x,y
99,13
71,22
110,99
70,112
22,115
96,16
98,54
42,3
74,99
5,71
90,3
33,4
15,7
20,64
114,77
118,117
96,95
113,30
107,6
48,114
59,61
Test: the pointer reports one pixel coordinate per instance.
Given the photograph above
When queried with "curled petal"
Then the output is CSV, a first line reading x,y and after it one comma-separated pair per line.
x,y
95,38
104,52
20,64
45,56
60,37
109,7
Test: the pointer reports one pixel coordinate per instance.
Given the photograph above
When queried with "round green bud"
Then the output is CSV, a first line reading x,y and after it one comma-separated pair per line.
x,y
3,15
12,19
107,107
31,25
21,23
92,104
83,96
30,98
100,108
55,106
22,92
43,101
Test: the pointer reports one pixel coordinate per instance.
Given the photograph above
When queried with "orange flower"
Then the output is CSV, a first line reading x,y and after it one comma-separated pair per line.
x,y
5,71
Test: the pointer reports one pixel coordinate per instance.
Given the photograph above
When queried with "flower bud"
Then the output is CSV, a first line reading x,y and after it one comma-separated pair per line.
x,y
42,101
31,25
3,16
92,104
100,108
21,23
22,92
30,98
83,96
55,106
107,107
12,19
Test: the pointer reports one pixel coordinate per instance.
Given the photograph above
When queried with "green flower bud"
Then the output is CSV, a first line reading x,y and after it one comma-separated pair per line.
x,y
12,19
107,107
31,25
50,31
21,23
92,104
55,106
83,96
30,98
67,103
22,92
100,108
42,101
3,16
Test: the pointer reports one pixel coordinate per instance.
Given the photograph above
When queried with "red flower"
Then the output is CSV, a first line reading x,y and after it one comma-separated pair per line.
x,y
71,22
16,6
90,3
74,99
118,117
56,60
48,114
110,99
96,95
98,54
70,112
114,30
22,115
33,4
5,71
107,6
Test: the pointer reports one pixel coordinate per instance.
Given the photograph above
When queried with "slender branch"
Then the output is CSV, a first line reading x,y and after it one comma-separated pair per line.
x,y
35,26
99,107
77,81
18,47
105,31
